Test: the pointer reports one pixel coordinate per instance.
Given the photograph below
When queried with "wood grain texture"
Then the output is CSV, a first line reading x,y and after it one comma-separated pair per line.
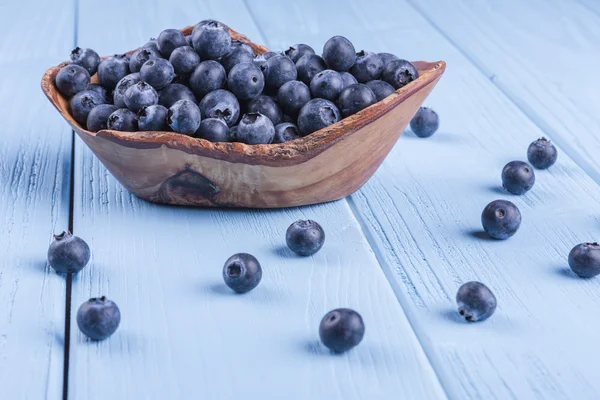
x,y
183,333
421,212
35,148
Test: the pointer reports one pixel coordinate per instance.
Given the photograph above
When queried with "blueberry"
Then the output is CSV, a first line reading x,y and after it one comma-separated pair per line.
x,y
260,61
308,66
425,122
584,260
72,79
122,86
208,77
152,118
87,58
98,318
501,219
246,81
286,132
398,73
317,114
168,40
213,130
277,71
242,272
518,177
255,128
140,56
296,51
139,96
123,120
237,56
101,90
542,154
158,73
111,70
202,24
221,104
292,96
341,329
305,238
233,133
236,44
381,89
98,118
270,54
355,98
68,254
169,95
267,106
188,40
184,60
475,301
82,104
368,66
339,53
386,58
348,79
327,84
184,117
151,44
212,41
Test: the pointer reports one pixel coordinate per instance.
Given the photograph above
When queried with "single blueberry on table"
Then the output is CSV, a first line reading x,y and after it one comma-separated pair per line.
x,y
153,118
98,318
123,120
398,73
83,103
72,79
214,130
246,81
168,40
381,89
355,98
339,53
184,117
348,79
158,73
267,106
112,70
87,58
221,104
208,77
317,114
518,177
236,44
139,96
68,254
296,51
140,56
305,237
368,66
98,118
101,90
184,60
277,71
341,329
235,57
476,302
174,92
125,83
285,132
212,41
584,260
292,96
425,122
308,66
542,154
255,128
242,272
386,58
327,84
501,219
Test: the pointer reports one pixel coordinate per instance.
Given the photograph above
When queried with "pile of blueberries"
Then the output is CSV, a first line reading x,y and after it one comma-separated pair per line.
x,y
209,86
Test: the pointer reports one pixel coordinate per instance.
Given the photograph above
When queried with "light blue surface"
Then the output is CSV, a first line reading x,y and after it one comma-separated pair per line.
x,y
396,251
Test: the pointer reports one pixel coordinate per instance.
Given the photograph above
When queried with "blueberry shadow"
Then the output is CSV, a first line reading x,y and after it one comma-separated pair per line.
x,y
59,339
498,190
442,137
39,265
453,316
315,347
284,252
220,289
565,272
481,235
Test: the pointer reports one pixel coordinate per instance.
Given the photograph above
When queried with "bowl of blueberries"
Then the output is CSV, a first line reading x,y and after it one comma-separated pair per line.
x,y
203,116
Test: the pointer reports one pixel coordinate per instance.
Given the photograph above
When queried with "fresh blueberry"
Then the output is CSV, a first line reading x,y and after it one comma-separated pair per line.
x,y
123,120
221,104
68,254
98,118
425,122
355,98
501,219
255,128
98,318
82,104
208,77
242,272
542,154
72,79
202,24
292,96
236,44
339,53
341,329
260,61
169,95
296,51
305,237
381,89
267,106
386,58
125,83
212,41
518,177
327,84
140,56
153,118
184,117
308,66
246,81
237,56
285,132
317,114
188,40
101,90
584,260
87,58
348,79
277,71
111,70
476,302
368,66
213,130
398,73
151,44
157,73
270,54
233,133
184,60
139,96
168,40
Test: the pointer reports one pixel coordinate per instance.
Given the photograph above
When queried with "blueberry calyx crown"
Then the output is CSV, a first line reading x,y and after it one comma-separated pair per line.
x,y
594,244
76,51
97,299
62,235
234,270
251,117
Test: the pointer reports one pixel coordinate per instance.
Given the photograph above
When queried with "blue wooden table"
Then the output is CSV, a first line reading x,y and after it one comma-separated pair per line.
x,y
396,251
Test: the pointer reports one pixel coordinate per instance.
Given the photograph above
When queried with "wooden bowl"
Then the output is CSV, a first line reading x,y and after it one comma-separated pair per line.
x,y
167,167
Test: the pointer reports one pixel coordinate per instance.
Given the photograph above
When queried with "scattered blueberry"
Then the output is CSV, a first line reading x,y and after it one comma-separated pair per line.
x,y
381,89
125,83
348,79
501,219
476,302
305,238
425,122
140,56
208,77
296,51
267,106
518,177
123,120
99,89
221,104
398,73
339,53
72,79
82,103
87,58
169,95
355,98
153,118
213,130
285,132
139,96
184,117
111,70
168,40
327,84
68,254
212,41
542,154
255,128
98,318
386,58
277,71
237,56
341,329
292,96
246,81
98,118
184,60
368,66
242,272
584,260
158,73
317,114
308,66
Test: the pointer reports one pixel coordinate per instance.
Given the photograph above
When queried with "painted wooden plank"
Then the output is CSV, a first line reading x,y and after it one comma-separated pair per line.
x,y
421,212
35,149
183,333
591,5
